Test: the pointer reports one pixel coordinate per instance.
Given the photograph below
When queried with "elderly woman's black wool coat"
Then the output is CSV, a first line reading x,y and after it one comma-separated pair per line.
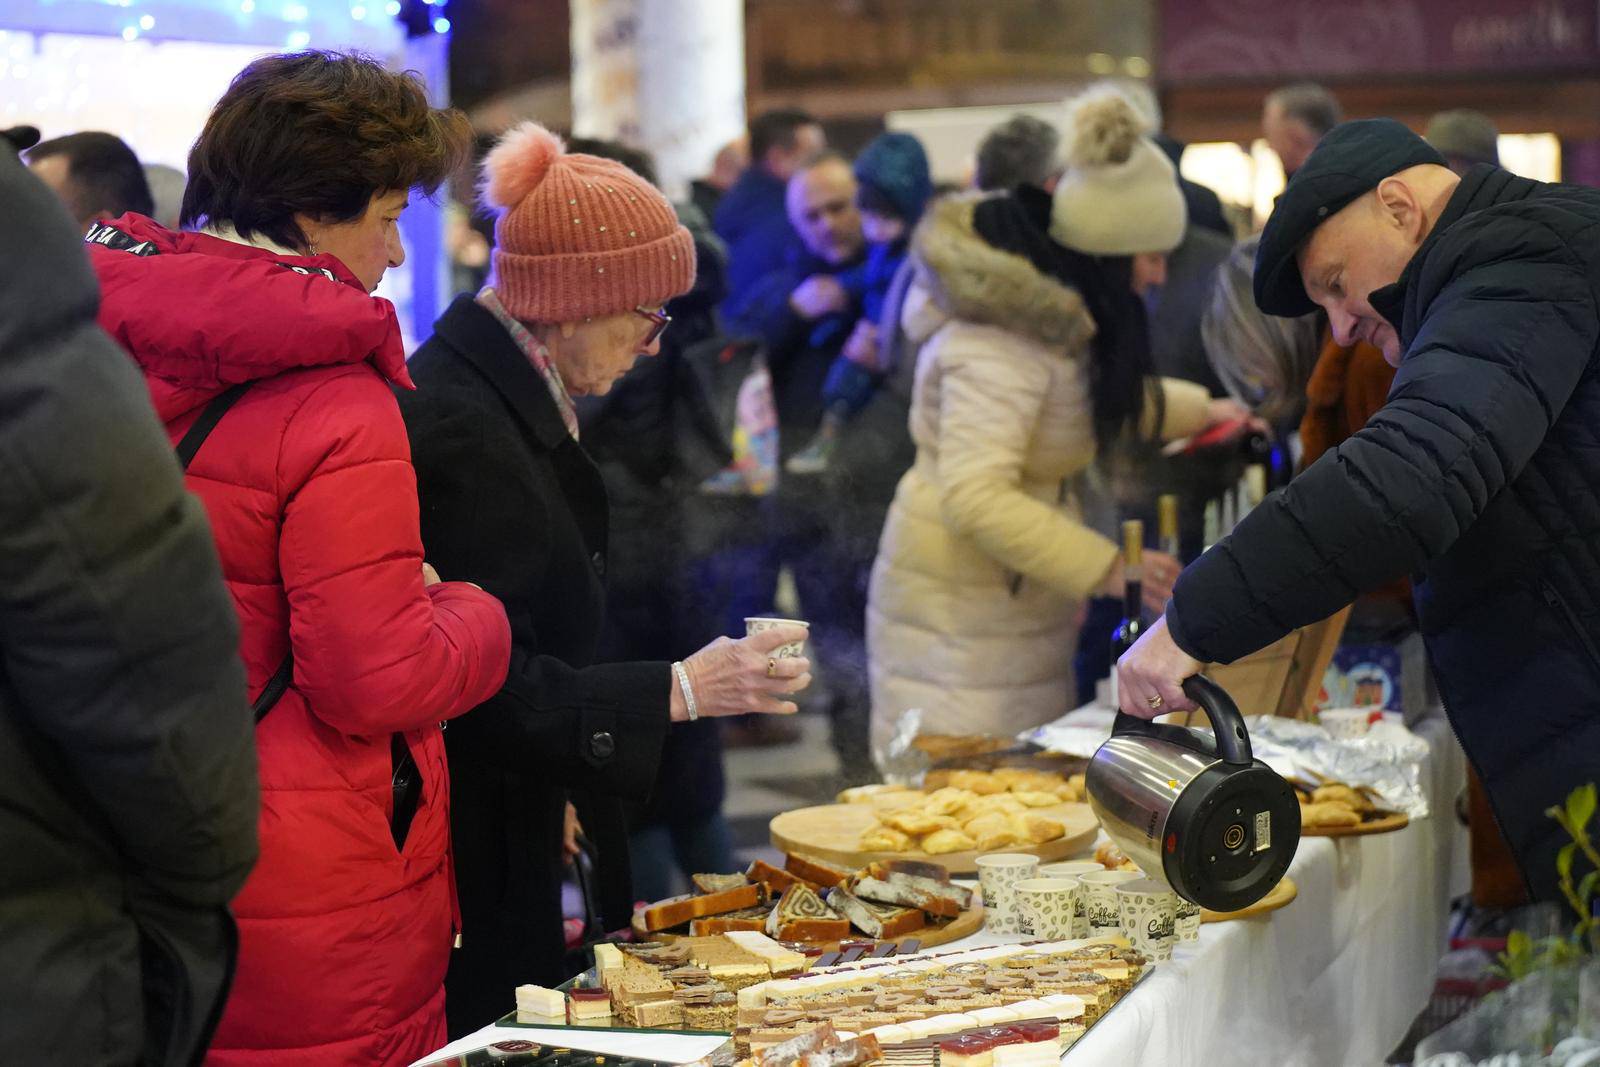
x,y
510,501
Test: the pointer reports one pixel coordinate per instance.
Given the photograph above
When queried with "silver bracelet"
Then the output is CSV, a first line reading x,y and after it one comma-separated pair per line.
x,y
688,694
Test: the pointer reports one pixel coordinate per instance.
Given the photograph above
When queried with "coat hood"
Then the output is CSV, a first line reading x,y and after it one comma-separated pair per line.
x,y
967,278
200,314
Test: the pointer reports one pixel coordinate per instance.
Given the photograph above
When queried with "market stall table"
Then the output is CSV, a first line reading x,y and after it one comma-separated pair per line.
x,y
1334,979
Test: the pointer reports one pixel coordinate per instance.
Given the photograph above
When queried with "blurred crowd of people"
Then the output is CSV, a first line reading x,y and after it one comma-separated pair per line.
x,y
925,406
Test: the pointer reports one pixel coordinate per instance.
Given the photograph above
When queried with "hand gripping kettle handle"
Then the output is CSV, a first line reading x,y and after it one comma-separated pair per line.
x,y
1232,744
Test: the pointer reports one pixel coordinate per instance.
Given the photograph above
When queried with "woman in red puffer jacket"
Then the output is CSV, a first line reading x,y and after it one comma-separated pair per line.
x,y
297,181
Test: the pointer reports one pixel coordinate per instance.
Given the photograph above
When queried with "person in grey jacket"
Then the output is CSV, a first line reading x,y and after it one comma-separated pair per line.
x,y
128,794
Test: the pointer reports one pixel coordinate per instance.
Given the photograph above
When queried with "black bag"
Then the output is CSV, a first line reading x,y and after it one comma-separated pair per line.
x,y
406,779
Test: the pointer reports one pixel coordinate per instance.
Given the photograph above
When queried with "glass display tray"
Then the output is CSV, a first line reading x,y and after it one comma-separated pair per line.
x,y
508,1054
589,979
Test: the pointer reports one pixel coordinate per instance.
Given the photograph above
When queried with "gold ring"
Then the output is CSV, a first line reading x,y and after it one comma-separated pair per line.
x,y
1155,701
772,667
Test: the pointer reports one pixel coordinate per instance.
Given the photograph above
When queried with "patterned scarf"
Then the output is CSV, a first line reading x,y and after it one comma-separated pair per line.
x,y
538,355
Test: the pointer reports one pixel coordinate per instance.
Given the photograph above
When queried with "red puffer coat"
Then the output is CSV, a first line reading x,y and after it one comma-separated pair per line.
x,y
311,495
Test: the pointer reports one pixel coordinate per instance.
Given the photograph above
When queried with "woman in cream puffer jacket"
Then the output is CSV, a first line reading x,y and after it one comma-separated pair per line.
x,y
985,562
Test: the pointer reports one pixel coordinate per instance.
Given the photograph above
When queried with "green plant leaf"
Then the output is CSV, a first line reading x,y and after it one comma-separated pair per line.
x,y
1581,805
1564,861
1587,887
1518,943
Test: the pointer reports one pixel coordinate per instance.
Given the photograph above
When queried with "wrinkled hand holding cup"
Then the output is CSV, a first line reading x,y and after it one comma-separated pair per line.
x,y
754,673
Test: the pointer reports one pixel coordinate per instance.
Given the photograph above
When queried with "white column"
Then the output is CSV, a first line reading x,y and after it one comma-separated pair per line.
x,y
666,76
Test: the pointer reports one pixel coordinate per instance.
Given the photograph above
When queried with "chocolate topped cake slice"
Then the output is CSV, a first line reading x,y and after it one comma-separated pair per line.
x,y
909,884
875,920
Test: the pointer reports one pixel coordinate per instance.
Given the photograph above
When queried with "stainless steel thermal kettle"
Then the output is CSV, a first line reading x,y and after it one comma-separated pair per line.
x,y
1203,816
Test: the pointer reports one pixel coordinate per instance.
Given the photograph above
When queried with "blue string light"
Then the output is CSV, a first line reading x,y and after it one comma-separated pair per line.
x,y
301,23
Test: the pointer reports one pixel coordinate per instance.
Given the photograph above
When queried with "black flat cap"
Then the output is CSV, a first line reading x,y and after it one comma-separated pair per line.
x,y
22,138
1350,160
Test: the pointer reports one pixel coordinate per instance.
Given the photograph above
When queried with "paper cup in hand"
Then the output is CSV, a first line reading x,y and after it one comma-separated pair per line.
x,y
1100,900
1048,906
1149,914
998,875
792,650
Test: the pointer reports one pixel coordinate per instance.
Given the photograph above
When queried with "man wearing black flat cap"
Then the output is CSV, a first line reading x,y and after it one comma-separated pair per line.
x,y
1480,477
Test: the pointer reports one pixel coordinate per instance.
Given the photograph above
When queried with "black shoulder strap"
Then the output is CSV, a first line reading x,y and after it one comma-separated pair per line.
x,y
197,434
187,448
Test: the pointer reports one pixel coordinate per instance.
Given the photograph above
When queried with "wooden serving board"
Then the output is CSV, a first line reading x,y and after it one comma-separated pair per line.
x,y
1282,895
832,833
1385,823
966,924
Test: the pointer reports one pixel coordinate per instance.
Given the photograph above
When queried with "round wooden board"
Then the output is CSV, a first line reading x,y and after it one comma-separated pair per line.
x,y
1387,823
966,924
1282,895
831,833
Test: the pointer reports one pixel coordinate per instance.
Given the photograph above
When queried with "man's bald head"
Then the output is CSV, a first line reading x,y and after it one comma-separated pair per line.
x,y
1366,245
822,208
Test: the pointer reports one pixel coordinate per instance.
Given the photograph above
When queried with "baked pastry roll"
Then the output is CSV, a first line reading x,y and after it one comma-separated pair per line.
x,y
942,841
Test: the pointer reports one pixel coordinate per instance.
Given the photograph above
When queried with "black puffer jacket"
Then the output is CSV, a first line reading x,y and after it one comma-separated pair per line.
x,y
1481,476
128,795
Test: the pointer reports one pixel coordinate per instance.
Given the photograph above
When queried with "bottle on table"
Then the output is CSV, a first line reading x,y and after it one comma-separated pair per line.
x,y
1167,524
1132,624
1252,489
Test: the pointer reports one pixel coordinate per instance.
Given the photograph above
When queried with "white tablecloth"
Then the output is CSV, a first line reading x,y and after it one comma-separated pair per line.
x,y
1332,980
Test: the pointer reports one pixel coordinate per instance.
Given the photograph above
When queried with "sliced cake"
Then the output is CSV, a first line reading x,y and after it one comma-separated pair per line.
x,y
801,915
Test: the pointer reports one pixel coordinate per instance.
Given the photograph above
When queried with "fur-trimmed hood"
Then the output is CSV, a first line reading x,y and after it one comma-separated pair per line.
x,y
969,279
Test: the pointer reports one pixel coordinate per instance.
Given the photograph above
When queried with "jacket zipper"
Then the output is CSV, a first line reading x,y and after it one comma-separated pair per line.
x,y
1557,601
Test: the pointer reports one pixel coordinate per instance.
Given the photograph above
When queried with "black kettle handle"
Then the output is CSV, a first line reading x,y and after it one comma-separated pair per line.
x,y
1232,744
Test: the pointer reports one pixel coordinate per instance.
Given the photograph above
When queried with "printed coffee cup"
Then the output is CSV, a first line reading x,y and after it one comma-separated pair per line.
x,y
1149,914
1048,906
1074,869
998,875
1188,920
1100,900
792,650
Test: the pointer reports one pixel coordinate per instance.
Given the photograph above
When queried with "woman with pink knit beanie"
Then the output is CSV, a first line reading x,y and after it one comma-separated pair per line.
x,y
586,253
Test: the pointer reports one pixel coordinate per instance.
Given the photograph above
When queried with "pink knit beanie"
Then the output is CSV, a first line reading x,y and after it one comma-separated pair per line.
x,y
579,236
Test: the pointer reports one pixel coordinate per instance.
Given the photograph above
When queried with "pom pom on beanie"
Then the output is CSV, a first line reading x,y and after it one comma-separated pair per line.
x,y
1105,127
518,163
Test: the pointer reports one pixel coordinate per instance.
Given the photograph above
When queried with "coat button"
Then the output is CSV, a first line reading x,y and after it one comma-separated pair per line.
x,y
602,745
599,561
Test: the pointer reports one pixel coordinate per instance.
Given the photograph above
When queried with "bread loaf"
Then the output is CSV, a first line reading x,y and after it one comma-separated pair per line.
x,y
773,878
679,910
747,919
815,871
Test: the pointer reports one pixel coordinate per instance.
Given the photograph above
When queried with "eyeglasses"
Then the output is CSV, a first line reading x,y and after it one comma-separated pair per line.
x,y
659,321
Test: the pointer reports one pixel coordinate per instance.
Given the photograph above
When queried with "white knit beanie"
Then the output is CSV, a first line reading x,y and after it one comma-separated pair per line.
x,y
1119,195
